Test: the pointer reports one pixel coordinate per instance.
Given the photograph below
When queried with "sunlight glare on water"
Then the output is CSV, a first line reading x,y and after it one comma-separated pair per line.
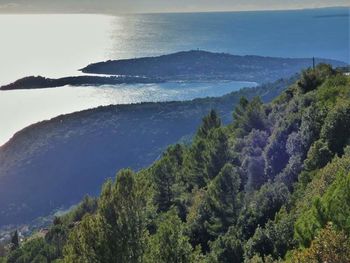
x,y
58,45
52,45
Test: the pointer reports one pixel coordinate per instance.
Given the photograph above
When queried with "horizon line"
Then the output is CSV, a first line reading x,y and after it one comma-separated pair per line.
x,y
167,12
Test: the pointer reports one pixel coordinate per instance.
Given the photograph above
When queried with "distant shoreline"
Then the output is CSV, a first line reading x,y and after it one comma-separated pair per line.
x,y
193,65
40,82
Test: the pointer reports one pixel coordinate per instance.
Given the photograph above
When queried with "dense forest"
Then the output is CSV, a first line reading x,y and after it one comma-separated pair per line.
x,y
272,186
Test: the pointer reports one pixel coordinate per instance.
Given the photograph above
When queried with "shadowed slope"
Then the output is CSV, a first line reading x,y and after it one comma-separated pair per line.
x,y
54,163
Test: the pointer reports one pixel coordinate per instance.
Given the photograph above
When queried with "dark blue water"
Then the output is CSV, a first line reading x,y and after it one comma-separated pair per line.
x,y
303,33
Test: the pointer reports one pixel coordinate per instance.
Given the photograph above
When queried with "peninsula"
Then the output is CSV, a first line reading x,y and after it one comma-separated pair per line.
x,y
38,82
195,65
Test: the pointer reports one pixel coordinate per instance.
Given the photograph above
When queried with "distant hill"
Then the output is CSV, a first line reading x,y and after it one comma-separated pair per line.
x,y
55,163
181,66
203,65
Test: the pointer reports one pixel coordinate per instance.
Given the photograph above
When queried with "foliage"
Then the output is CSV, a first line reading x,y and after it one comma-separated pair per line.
x,y
36,250
329,246
333,206
169,243
87,206
227,247
262,189
318,155
249,115
312,78
14,241
116,233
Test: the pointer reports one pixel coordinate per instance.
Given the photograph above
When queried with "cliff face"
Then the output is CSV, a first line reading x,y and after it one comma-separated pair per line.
x,y
55,163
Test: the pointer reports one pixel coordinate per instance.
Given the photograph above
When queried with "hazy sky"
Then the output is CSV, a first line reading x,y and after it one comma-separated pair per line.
x,y
141,6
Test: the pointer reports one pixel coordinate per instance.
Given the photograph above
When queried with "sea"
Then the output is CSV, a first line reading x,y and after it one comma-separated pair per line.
x,y
58,45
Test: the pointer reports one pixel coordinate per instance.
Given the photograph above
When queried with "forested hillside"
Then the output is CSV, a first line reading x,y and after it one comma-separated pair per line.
x,y
41,166
272,186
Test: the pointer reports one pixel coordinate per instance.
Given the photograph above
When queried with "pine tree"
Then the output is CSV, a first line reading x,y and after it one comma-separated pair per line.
x,y
163,178
223,200
116,233
169,243
248,116
15,240
209,122
219,152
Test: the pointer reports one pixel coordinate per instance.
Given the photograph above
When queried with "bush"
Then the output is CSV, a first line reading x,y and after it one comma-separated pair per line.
x,y
318,156
312,78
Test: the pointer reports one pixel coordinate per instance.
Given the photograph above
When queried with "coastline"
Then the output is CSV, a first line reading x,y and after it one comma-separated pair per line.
x,y
40,82
184,66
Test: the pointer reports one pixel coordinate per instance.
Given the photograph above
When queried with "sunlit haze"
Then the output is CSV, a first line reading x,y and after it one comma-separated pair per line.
x,y
58,45
142,6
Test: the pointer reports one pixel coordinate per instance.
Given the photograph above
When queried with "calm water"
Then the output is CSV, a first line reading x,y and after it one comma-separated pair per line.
x,y
58,45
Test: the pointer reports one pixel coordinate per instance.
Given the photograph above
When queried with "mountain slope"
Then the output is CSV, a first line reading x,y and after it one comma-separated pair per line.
x,y
55,163
272,186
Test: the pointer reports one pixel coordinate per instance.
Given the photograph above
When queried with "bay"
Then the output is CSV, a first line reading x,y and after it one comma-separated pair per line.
x,y
58,45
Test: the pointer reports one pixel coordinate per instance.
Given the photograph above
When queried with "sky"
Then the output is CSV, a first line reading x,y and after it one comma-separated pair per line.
x,y
149,6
